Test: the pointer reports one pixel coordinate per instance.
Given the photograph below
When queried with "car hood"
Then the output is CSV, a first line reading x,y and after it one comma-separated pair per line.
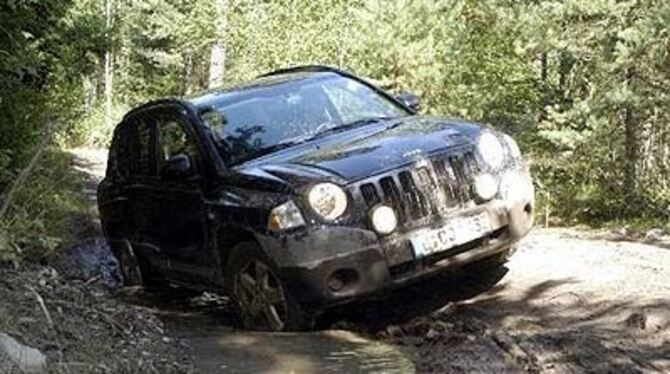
x,y
361,152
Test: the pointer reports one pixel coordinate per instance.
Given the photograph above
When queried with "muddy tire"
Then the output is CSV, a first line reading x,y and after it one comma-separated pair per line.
x,y
135,269
261,298
152,280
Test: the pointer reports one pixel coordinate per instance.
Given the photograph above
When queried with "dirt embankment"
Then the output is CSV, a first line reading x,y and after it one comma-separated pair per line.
x,y
82,328
69,309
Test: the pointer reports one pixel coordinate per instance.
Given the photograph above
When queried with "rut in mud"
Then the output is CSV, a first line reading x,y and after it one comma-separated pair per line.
x,y
568,301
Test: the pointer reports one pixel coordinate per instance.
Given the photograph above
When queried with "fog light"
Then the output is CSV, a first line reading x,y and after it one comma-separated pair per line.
x,y
486,186
384,220
342,279
335,284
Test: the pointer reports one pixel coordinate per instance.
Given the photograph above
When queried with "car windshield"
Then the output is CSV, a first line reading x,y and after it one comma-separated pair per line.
x,y
257,120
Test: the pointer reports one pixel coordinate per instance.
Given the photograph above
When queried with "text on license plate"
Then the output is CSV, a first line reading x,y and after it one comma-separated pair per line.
x,y
457,231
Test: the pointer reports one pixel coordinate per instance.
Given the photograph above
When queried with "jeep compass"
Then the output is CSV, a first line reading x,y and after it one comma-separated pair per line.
x,y
307,188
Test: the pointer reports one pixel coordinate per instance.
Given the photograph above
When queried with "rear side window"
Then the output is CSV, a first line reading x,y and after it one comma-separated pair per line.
x,y
133,149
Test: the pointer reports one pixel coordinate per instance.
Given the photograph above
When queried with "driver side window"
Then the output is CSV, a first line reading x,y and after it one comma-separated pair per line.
x,y
174,140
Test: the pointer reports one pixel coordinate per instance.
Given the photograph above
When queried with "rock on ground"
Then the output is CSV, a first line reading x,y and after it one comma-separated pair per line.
x,y
16,355
82,327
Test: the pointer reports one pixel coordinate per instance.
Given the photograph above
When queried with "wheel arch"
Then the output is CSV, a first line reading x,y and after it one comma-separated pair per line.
x,y
230,237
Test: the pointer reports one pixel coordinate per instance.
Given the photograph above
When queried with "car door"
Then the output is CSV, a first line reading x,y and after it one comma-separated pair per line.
x,y
176,204
114,204
137,163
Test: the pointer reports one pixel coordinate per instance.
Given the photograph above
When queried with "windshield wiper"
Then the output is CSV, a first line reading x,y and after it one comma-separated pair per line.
x,y
305,138
267,150
347,126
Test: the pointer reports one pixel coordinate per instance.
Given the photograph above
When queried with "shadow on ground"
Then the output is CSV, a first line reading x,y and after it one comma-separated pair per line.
x,y
539,329
405,304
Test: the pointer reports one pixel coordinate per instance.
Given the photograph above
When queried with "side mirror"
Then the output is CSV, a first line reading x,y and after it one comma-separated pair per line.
x,y
177,167
409,100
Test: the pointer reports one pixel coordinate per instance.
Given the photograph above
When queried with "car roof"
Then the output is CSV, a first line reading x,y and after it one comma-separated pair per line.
x,y
210,98
292,74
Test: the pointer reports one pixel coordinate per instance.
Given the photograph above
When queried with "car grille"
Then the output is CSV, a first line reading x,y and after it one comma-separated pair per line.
x,y
430,187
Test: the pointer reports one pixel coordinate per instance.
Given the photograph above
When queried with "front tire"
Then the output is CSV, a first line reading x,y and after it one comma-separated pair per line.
x,y
262,299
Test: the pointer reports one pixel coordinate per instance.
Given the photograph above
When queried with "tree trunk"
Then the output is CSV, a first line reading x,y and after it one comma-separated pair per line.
x,y
217,60
544,66
565,64
631,148
187,76
109,64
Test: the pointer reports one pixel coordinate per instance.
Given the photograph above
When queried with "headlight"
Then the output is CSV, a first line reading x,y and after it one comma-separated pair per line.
x,y
328,200
285,216
512,145
384,220
486,186
491,150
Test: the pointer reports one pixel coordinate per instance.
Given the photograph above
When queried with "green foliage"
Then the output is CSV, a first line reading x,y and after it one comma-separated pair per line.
x,y
584,85
90,129
47,212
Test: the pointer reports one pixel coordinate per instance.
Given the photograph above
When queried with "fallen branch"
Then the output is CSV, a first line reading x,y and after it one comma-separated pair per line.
x,y
40,300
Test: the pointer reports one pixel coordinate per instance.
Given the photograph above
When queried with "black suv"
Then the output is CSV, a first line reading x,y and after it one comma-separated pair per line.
x,y
305,188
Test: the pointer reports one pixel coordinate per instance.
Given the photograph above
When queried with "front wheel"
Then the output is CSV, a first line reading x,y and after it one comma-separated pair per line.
x,y
262,299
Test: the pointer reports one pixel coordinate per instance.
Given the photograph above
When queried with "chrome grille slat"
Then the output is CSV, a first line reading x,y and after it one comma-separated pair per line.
x,y
392,195
448,182
370,194
409,186
425,190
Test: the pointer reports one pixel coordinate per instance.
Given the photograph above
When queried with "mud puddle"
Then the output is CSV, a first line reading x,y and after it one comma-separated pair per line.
x,y
208,325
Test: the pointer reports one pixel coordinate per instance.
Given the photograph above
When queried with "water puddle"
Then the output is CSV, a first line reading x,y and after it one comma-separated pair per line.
x,y
207,323
332,351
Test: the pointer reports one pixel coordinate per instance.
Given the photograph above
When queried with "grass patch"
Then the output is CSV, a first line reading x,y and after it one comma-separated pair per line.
x,y
47,211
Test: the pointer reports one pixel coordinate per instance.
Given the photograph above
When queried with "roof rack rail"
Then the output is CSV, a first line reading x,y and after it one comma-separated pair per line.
x,y
153,103
306,69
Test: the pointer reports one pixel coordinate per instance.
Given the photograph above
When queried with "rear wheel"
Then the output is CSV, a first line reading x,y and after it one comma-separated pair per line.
x,y
152,280
135,269
262,300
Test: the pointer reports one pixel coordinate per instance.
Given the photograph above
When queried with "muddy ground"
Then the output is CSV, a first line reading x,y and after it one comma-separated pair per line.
x,y
568,301
81,327
68,306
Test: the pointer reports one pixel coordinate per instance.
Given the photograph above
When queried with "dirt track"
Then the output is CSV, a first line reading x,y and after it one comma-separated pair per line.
x,y
568,301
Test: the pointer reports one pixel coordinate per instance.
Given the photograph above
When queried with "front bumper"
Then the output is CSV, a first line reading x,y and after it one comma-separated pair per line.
x,y
331,265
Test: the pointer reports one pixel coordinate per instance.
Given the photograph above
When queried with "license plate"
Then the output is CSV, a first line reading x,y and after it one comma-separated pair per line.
x,y
457,231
